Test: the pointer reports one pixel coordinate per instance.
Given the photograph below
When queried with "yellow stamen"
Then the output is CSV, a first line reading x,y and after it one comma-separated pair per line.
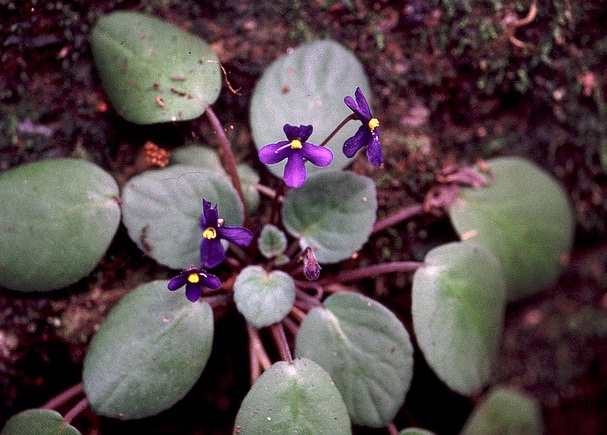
x,y
193,278
373,123
295,144
209,233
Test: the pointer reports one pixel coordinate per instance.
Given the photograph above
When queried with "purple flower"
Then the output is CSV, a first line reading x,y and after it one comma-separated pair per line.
x,y
295,150
367,133
194,280
212,252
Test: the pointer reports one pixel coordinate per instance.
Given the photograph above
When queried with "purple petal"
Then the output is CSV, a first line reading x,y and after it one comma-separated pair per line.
x,y
275,152
178,281
211,281
209,215
320,156
291,131
305,131
356,142
295,171
362,104
374,151
193,291
354,108
238,235
211,252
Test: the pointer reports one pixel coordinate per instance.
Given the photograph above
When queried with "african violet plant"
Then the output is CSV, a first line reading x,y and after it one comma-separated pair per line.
x,y
345,358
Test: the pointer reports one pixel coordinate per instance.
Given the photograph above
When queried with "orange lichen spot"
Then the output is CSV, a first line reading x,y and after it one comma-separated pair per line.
x,y
156,156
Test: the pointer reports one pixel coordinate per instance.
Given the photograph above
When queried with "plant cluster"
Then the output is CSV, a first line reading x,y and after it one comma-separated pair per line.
x,y
344,357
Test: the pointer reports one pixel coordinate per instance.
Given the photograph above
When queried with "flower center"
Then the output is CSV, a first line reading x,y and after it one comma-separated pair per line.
x,y
209,233
193,278
373,123
295,144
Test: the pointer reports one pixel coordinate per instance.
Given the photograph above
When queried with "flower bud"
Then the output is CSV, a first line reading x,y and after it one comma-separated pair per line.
x,y
311,266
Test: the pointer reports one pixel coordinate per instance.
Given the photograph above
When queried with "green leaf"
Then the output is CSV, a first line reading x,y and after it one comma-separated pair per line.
x,y
38,422
505,412
524,217
308,86
272,241
457,305
333,213
366,351
289,398
205,157
162,208
62,217
415,431
152,70
148,353
197,155
263,297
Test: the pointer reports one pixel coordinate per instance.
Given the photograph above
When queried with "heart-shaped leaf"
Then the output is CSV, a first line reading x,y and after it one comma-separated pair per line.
x,y
272,241
38,422
162,208
524,217
333,213
308,86
505,411
366,351
457,305
152,70
148,353
57,220
289,398
263,297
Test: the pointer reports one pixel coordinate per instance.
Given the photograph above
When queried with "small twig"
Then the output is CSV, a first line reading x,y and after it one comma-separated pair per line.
x,y
261,356
75,411
64,396
291,326
269,192
298,314
403,214
392,430
227,153
280,338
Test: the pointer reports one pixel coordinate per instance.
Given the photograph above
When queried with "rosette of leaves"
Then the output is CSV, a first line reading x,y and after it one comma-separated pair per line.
x,y
332,213
152,70
59,217
307,87
524,217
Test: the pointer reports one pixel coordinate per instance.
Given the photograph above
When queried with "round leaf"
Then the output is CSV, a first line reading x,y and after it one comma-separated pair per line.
x,y
38,422
272,241
333,213
148,353
308,86
505,411
152,70
524,217
162,208
58,219
205,157
289,398
263,297
366,351
457,305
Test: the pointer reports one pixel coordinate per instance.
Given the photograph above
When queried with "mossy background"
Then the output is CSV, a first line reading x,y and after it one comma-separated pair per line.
x,y
452,81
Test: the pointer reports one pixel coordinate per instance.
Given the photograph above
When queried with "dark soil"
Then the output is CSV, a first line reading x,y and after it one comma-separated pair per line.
x,y
451,83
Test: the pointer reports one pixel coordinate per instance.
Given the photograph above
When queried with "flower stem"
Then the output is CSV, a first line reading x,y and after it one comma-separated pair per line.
x,y
257,354
280,338
365,272
64,396
339,127
227,153
77,409
403,214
